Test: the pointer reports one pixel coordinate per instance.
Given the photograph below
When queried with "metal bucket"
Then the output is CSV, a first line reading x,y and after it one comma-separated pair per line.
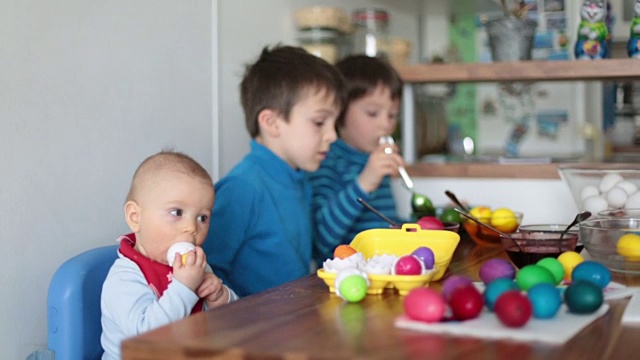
x,y
511,39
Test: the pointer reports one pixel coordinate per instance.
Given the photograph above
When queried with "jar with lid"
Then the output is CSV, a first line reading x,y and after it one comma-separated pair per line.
x,y
371,31
320,42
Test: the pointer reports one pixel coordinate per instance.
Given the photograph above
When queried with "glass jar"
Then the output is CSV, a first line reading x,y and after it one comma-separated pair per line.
x,y
371,32
320,42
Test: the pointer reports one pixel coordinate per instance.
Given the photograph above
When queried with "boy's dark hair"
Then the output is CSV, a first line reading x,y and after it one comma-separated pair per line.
x,y
279,78
363,74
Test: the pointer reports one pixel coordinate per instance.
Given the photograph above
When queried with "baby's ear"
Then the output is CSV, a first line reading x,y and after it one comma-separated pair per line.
x,y
132,215
268,122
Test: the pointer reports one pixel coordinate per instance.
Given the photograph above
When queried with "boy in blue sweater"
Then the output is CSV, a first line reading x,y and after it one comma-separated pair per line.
x,y
263,234
357,165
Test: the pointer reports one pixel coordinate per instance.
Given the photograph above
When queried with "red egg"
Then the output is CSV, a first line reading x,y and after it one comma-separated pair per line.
x,y
513,308
466,303
452,283
430,223
408,265
424,304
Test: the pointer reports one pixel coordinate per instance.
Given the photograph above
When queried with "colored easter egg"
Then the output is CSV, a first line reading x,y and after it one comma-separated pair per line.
x,y
343,251
453,282
466,303
496,268
592,271
583,297
353,288
424,304
569,260
545,300
426,255
496,288
408,265
513,309
531,275
554,266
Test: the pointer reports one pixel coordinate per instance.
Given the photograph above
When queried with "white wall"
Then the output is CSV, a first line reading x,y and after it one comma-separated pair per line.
x,y
88,89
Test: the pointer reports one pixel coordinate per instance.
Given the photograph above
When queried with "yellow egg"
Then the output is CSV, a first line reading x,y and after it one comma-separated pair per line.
x,y
569,260
629,246
481,213
504,220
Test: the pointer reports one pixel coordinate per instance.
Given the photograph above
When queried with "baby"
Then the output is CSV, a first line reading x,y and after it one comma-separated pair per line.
x,y
169,202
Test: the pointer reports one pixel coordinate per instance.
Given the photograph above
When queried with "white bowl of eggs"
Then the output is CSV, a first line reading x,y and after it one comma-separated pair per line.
x,y
599,187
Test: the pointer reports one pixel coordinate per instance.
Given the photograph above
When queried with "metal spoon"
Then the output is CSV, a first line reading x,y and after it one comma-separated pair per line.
x,y
456,201
471,217
578,219
375,211
408,183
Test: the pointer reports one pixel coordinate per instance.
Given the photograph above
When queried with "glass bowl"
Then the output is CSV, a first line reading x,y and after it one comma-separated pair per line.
x,y
588,182
601,236
557,228
484,236
619,213
528,247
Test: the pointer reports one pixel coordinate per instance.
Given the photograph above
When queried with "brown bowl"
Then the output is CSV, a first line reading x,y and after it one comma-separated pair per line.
x,y
525,248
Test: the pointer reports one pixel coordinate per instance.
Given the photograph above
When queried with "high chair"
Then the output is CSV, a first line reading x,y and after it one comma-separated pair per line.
x,y
73,304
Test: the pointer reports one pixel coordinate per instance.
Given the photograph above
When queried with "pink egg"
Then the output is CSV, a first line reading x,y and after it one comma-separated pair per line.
x,y
424,304
430,223
408,265
452,283
496,268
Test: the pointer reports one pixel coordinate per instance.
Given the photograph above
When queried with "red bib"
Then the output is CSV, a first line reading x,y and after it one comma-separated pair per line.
x,y
158,275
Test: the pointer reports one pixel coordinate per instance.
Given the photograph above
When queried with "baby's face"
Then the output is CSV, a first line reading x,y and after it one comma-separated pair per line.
x,y
368,118
306,137
173,207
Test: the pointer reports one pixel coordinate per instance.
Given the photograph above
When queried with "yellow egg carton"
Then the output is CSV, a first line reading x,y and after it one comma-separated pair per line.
x,y
401,242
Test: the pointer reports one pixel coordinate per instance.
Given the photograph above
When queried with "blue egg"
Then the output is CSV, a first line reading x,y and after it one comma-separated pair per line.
x,y
545,300
593,272
496,288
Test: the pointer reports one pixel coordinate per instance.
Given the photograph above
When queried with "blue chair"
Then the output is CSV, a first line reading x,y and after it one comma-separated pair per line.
x,y
73,304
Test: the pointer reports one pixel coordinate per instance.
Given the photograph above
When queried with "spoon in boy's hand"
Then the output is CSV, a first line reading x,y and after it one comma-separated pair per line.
x,y
408,183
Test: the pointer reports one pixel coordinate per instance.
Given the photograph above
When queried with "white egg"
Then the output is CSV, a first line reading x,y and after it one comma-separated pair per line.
x,y
181,247
609,181
595,204
616,197
633,202
589,190
628,186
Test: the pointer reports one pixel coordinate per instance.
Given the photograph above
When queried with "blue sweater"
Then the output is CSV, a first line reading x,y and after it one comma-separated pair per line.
x,y
260,234
338,216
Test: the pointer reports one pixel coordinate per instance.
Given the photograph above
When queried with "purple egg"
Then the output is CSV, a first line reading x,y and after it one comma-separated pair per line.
x,y
496,268
426,256
452,283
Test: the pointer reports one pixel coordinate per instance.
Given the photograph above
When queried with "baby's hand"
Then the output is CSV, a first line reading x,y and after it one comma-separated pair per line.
x,y
191,273
212,291
380,164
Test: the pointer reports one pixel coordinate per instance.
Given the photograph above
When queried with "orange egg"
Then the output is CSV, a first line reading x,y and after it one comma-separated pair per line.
x,y
343,251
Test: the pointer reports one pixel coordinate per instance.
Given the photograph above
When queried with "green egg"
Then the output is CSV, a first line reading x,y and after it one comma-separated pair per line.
x,y
554,266
353,288
531,275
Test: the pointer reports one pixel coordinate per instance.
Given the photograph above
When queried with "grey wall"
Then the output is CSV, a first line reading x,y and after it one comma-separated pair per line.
x,y
88,89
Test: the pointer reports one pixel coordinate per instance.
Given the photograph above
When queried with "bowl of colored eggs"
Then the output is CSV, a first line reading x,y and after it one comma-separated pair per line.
x,y
599,187
502,219
615,242
530,245
400,259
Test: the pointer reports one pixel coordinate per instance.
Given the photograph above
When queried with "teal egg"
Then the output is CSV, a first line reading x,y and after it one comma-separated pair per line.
x,y
592,271
545,300
583,297
496,288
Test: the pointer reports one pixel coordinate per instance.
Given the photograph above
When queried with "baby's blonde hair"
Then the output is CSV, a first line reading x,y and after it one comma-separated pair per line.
x,y
163,161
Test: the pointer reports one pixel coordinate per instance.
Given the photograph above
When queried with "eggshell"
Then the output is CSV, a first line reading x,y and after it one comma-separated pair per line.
x,y
633,201
628,186
588,191
181,247
616,197
609,181
595,204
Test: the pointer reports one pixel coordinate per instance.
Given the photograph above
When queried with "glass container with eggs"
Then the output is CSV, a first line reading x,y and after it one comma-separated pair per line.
x,y
403,258
600,187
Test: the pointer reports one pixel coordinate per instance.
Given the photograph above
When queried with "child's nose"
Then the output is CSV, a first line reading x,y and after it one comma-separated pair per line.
x,y
191,226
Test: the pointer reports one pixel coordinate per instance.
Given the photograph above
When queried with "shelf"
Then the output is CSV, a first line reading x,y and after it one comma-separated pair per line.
x,y
485,170
569,70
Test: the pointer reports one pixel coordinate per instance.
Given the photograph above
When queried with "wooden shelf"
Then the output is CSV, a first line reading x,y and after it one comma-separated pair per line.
x,y
485,170
569,70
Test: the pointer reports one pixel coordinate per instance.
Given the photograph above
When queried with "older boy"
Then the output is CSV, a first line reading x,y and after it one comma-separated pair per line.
x,y
263,234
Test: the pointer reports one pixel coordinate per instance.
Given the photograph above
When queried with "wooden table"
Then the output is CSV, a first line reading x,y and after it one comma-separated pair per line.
x,y
302,320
